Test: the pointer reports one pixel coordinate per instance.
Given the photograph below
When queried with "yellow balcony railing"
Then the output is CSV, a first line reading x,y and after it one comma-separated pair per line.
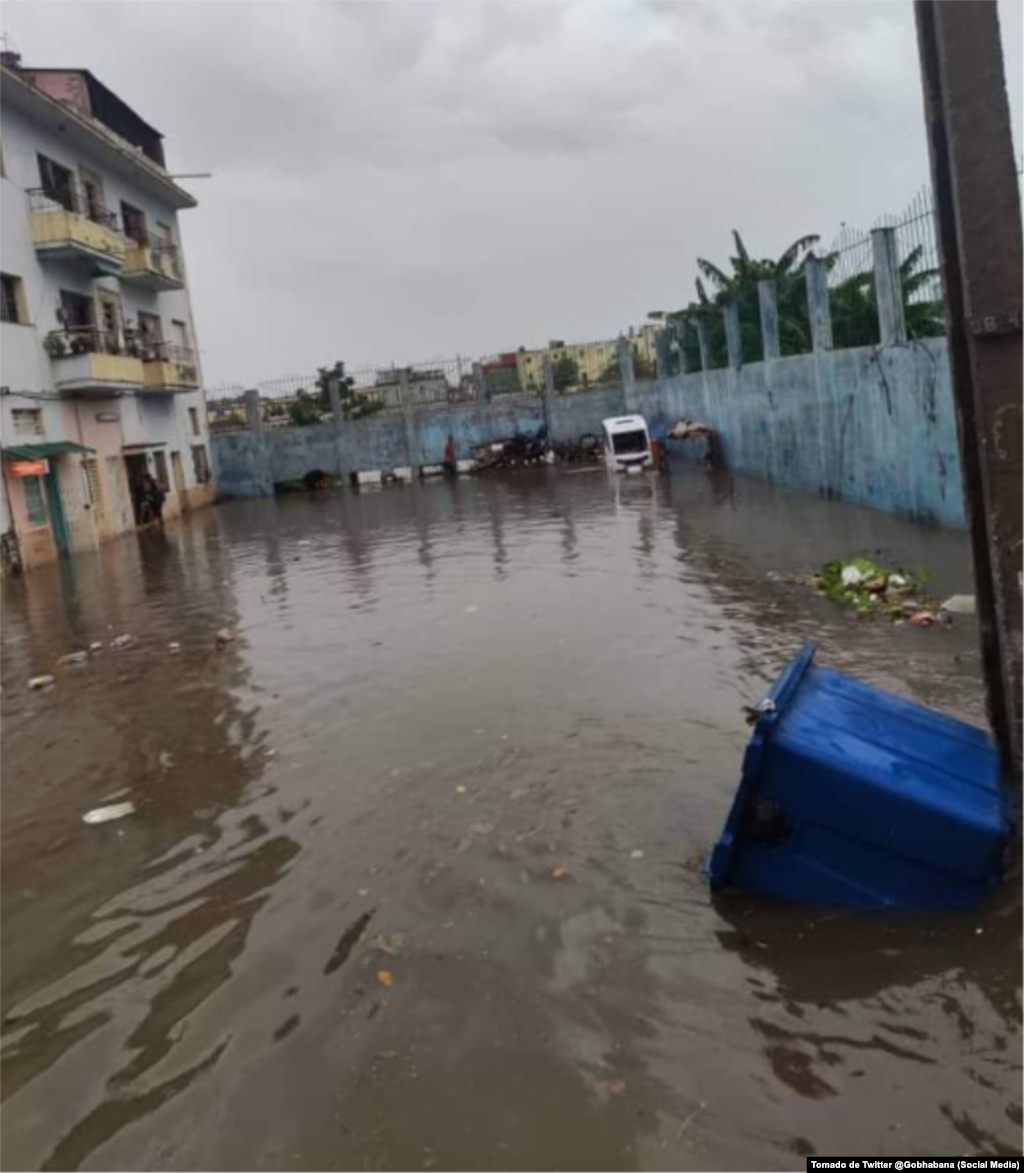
x,y
168,367
153,264
65,234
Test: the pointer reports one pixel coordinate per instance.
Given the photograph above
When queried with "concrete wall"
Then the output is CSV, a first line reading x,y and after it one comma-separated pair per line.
x,y
872,425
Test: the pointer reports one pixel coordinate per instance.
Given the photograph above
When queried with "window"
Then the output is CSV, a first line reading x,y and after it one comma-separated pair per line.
x,y
76,310
629,443
35,504
13,299
92,196
193,416
27,421
151,334
91,482
134,221
57,182
160,464
201,463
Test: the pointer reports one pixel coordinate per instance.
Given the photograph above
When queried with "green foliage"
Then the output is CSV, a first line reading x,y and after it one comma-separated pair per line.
x,y
853,303
566,372
643,368
503,380
878,590
305,410
855,306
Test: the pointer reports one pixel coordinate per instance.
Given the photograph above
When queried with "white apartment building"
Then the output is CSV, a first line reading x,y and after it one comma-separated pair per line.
x,y
101,381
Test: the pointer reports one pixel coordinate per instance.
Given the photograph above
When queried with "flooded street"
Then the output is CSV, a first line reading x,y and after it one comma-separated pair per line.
x,y
329,938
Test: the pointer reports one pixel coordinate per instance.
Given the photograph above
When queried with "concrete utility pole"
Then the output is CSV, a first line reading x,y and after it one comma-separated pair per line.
x,y
977,203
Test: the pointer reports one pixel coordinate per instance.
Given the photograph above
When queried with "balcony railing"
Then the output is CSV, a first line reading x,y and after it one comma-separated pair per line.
x,y
71,198
88,340
155,260
179,366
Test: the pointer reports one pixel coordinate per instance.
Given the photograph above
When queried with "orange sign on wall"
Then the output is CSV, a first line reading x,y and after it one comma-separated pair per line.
x,y
29,468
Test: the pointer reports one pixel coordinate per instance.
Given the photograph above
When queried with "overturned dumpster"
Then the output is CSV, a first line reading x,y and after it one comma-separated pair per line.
x,y
851,796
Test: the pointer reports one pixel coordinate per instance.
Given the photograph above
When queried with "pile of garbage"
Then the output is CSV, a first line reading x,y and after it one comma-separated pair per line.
x,y
523,450
874,590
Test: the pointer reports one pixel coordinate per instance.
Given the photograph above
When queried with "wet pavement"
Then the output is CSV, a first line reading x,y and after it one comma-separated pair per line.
x,y
330,938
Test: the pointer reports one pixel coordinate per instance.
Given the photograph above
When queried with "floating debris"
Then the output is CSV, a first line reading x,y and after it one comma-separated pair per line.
x,y
386,978
460,790
873,590
41,682
107,814
74,658
924,618
959,605
223,638
96,646
174,647
122,641
636,853
559,873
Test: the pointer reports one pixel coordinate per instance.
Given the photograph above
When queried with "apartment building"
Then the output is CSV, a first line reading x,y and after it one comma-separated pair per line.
x,y
101,380
595,362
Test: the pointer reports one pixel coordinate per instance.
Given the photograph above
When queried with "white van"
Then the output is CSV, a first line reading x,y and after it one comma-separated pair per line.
x,y
627,444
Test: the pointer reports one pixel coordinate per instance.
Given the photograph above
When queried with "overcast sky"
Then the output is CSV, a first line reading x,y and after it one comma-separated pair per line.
x,y
405,181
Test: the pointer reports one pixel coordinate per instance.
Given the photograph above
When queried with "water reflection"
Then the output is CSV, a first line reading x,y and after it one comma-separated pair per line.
x,y
436,695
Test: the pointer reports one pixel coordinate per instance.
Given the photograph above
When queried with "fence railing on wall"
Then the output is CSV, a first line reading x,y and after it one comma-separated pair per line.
x,y
867,288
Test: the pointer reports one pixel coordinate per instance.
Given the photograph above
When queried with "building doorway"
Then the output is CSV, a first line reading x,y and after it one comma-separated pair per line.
x,y
58,522
137,468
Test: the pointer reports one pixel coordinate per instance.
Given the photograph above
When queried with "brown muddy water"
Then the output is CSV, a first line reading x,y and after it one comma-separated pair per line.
x,y
330,939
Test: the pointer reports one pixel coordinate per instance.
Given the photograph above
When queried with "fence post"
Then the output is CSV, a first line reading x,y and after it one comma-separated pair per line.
x,y
817,303
481,385
624,353
549,378
704,341
253,411
334,398
768,302
733,340
892,325
412,448
680,340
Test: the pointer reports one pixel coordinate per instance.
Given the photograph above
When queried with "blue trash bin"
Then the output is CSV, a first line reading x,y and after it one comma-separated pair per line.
x,y
851,796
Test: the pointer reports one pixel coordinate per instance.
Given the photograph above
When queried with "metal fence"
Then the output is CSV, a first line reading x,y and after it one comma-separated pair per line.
x,y
584,366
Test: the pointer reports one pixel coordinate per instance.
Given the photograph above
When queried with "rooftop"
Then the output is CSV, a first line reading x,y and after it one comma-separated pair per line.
x,y
76,103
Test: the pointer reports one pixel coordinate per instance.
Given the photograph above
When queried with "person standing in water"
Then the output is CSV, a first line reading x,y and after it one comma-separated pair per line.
x,y
449,464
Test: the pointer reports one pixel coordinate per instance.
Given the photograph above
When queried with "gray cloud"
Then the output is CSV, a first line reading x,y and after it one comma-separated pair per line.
x,y
406,180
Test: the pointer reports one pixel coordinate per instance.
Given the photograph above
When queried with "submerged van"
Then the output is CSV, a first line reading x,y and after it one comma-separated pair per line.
x,y
627,444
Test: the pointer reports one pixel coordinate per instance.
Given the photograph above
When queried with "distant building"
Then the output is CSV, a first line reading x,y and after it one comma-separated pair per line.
x,y
101,379
595,362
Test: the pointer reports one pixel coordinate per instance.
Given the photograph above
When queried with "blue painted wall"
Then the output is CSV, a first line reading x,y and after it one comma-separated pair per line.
x,y
874,426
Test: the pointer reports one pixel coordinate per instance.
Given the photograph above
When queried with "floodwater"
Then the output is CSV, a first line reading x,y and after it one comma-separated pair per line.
x,y
329,937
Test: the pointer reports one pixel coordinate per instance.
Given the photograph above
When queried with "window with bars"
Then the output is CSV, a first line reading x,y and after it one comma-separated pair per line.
x,y
92,484
27,422
201,464
35,502
13,299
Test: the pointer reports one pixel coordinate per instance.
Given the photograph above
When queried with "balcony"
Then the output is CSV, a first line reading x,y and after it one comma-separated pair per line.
x,y
153,263
168,368
89,361
67,227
